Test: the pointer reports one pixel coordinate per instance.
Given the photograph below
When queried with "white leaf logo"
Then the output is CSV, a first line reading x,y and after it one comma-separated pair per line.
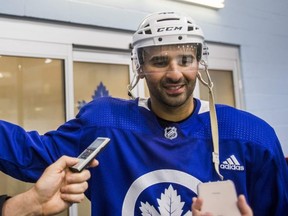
x,y
148,210
169,205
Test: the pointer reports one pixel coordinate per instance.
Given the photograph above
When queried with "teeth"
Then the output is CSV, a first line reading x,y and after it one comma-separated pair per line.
x,y
174,87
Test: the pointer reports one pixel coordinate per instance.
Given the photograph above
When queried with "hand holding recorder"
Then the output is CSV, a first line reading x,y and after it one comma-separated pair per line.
x,y
54,192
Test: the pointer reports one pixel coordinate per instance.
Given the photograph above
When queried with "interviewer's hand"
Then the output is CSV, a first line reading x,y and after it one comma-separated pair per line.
x,y
58,187
244,208
54,192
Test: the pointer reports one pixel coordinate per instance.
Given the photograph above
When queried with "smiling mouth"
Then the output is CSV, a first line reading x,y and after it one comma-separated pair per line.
x,y
174,89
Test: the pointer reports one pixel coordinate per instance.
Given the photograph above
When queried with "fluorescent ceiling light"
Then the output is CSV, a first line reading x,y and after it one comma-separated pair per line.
x,y
208,3
48,60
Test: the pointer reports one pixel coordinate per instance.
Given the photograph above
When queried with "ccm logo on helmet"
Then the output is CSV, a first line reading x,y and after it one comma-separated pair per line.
x,y
172,28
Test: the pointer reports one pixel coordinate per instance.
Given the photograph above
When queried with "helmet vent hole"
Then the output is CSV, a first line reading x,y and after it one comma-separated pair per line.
x,y
167,19
190,28
148,32
179,37
160,39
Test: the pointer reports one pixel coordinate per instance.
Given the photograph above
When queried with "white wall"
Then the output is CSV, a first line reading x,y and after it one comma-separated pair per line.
x,y
259,27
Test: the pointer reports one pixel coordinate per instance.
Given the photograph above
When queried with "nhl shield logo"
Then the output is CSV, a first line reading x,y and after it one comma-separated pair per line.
x,y
170,132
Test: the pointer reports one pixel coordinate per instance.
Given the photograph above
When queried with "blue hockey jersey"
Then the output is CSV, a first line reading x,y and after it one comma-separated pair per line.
x,y
151,166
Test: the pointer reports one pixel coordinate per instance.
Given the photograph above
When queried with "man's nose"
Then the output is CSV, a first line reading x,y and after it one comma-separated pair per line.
x,y
174,70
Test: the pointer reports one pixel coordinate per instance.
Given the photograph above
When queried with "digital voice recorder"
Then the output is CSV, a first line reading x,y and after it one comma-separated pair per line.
x,y
90,153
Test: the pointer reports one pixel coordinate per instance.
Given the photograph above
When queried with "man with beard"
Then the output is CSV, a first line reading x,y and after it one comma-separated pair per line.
x,y
161,147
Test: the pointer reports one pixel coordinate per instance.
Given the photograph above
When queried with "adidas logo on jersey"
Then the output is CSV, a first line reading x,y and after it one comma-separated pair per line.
x,y
231,163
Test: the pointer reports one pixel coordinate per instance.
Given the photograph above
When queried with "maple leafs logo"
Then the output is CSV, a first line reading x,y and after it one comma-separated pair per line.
x,y
101,91
170,204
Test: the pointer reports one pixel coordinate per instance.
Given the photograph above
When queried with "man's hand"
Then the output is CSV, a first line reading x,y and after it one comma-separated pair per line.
x,y
196,207
54,192
244,208
58,187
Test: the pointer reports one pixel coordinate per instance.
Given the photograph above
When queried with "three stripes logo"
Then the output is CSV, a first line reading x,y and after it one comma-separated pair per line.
x,y
231,163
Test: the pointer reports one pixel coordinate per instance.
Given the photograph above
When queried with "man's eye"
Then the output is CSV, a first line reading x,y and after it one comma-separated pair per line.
x,y
159,61
185,60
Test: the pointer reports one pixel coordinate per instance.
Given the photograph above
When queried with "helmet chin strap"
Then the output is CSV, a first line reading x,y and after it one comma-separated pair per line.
x,y
213,117
132,85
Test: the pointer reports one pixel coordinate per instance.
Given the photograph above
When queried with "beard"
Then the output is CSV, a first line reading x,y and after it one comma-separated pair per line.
x,y
171,93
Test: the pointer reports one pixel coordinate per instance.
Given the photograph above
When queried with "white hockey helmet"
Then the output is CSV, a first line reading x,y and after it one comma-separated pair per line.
x,y
167,28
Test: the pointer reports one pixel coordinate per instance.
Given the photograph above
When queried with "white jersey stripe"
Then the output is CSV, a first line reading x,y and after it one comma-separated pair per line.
x,y
234,159
230,161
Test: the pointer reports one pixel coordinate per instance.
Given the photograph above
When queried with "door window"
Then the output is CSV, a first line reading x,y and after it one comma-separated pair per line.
x,y
92,80
32,96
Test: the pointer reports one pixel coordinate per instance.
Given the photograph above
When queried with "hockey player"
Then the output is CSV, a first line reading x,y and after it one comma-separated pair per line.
x,y
161,147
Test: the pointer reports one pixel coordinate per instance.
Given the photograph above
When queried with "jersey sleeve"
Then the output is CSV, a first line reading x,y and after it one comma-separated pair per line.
x,y
269,186
25,155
